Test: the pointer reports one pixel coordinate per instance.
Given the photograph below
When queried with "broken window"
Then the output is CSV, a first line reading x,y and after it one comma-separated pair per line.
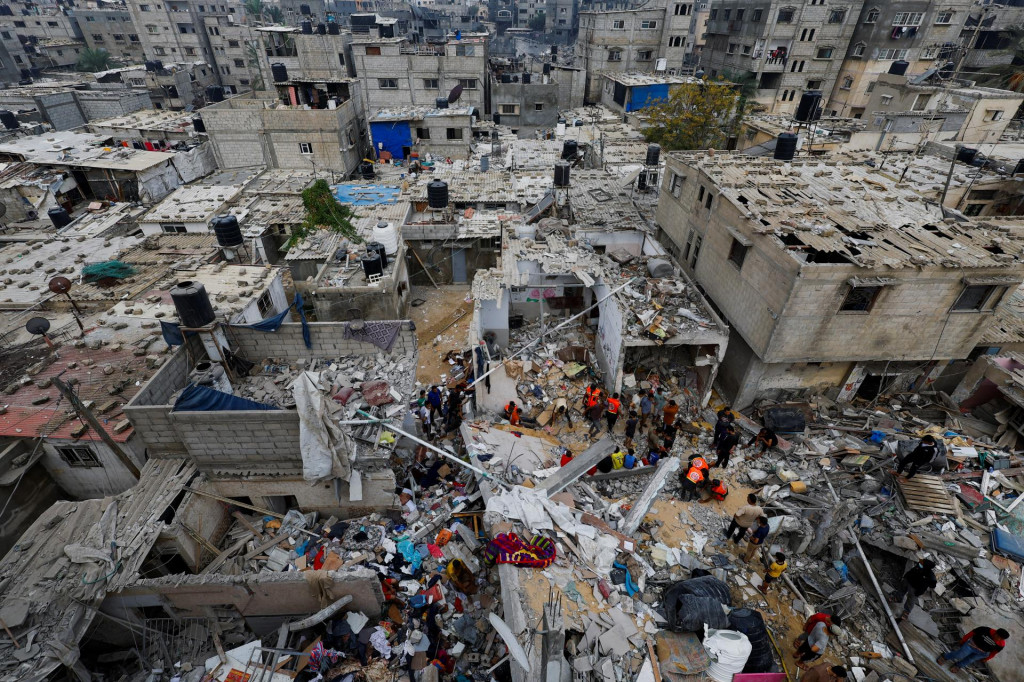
x,y
264,304
79,456
738,253
860,299
978,297
677,184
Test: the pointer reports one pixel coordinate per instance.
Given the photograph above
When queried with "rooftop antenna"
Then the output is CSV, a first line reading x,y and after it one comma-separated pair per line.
x,y
62,285
39,326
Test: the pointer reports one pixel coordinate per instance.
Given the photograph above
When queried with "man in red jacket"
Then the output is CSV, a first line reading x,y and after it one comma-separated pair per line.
x,y
980,644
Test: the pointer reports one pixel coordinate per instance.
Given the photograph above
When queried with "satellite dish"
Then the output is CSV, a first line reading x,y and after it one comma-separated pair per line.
x,y
60,285
515,649
38,326
454,95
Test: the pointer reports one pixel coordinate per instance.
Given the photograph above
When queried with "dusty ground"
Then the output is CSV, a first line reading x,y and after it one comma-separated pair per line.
x,y
440,307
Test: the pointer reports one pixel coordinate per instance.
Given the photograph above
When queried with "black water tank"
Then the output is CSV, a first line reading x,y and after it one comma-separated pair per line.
x,y
59,217
321,28
966,154
1019,168
506,78
193,304
197,123
227,230
554,49
151,65
810,106
333,28
547,68
899,67
569,149
372,265
306,27
526,78
304,10
561,174
785,146
9,120
378,248
497,118
366,170
441,102
214,93
653,155
25,81
641,181
279,71
437,194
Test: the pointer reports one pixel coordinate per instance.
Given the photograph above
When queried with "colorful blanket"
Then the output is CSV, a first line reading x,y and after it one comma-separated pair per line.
x,y
509,548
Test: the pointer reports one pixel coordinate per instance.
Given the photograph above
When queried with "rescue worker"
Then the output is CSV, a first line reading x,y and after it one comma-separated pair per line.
x,y
718,490
612,411
691,483
701,463
512,413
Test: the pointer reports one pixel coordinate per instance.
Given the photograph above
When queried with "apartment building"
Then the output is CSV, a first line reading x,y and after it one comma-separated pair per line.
x,y
788,47
112,30
623,41
987,33
924,34
395,72
832,273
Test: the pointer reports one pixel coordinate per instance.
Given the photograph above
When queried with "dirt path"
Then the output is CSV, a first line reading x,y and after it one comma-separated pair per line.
x,y
440,308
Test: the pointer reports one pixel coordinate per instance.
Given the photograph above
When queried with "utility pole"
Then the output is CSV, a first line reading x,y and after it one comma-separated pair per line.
x,y
86,414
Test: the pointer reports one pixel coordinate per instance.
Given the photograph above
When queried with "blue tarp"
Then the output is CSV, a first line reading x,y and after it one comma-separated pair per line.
x,y
272,324
641,96
392,135
366,195
202,399
172,333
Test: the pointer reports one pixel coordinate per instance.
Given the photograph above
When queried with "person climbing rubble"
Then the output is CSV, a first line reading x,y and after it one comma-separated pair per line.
x,y
980,644
920,456
824,672
646,408
630,431
916,582
745,517
812,642
594,413
757,538
774,572
612,407
725,446
669,413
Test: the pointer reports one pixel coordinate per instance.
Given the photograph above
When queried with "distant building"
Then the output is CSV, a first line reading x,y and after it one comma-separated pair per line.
x,y
628,92
527,95
112,30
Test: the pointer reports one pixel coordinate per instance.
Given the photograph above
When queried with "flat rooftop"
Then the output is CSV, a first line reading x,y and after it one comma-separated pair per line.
x,y
87,150
150,119
193,204
419,113
634,79
280,181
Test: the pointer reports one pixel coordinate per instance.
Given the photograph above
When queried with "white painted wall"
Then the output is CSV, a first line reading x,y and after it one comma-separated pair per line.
x,y
609,337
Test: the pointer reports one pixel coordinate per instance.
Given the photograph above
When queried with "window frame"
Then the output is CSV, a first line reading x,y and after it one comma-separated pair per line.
x,y
265,303
990,300
306,148
450,133
855,304
385,84
738,253
78,456
949,19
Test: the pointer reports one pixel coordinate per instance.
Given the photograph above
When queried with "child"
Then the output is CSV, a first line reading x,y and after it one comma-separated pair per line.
x,y
756,538
631,428
774,571
630,461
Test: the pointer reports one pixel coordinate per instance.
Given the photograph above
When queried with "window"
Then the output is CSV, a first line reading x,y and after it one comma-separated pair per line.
x,y
619,24
993,114
700,194
886,100
264,304
786,15
119,37
713,14
847,83
190,51
19,24
675,41
732,48
51,24
920,102
614,55
727,14
871,87
423,133
232,43
454,133
79,456
132,38
97,37
239,64
737,253
650,23
837,16
707,201
739,14
871,17
305,148
807,35
468,83
747,49
644,55
677,184
173,228
944,18
387,83
5,35
372,50
891,54
860,299
680,10
858,49
974,209
538,106
144,8
824,53
814,85
757,15
430,83
341,59
977,297
509,109
983,194
908,19
465,50
150,28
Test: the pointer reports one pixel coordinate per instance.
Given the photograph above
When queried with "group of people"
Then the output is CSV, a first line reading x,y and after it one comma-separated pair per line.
x,y
438,414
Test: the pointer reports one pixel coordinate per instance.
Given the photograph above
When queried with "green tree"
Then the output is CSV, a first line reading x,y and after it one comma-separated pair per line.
x,y
538,21
695,116
93,60
253,57
323,212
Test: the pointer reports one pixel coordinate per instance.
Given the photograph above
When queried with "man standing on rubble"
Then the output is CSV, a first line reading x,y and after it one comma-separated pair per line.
x,y
646,408
434,401
920,456
916,582
726,445
670,411
980,644
594,413
756,538
612,408
745,517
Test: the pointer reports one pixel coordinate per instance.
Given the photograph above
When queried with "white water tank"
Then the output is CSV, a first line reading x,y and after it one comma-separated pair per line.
x,y
387,234
526,231
729,651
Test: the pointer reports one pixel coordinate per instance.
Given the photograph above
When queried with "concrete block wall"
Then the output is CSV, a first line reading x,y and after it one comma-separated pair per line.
x,y
327,338
321,56
240,442
235,135
98,105
149,410
61,109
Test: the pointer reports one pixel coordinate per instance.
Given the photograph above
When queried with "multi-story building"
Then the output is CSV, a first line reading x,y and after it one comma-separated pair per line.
x,y
112,30
395,72
788,47
527,95
562,20
833,274
987,36
625,41
924,34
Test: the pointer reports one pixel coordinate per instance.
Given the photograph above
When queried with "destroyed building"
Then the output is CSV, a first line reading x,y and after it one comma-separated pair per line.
x,y
885,259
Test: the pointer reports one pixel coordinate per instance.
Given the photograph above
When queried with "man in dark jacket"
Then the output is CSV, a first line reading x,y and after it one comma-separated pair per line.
x,y
765,439
726,445
920,456
916,582
980,644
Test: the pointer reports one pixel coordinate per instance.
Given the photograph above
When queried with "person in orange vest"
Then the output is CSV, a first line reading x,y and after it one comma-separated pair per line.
x,y
718,490
512,413
612,411
691,483
701,463
591,396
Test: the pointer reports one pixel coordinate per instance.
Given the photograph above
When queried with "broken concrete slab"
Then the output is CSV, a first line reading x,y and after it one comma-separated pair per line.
x,y
650,493
579,465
